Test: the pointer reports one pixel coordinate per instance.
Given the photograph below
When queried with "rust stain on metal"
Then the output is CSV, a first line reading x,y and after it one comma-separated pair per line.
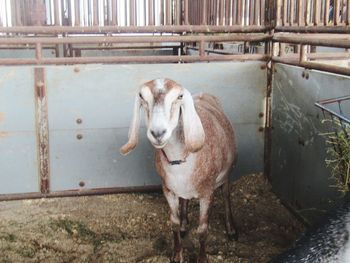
x,y
4,134
2,116
42,129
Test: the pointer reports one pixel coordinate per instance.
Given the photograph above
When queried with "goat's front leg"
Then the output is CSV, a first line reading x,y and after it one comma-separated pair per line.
x,y
183,216
173,202
231,230
204,207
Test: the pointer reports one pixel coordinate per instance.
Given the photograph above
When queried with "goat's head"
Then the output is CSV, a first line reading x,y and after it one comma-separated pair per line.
x,y
164,101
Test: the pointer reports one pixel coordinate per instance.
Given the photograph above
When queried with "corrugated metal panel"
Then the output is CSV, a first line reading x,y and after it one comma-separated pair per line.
x,y
299,173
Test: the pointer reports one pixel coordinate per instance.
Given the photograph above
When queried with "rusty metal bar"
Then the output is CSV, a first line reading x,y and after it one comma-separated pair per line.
x,y
314,29
133,39
88,192
136,29
42,129
135,59
313,65
305,40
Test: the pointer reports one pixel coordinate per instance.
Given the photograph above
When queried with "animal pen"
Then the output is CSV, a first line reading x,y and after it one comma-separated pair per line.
x,y
70,69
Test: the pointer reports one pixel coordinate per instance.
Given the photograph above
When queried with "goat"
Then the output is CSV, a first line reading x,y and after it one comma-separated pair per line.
x,y
195,152
328,241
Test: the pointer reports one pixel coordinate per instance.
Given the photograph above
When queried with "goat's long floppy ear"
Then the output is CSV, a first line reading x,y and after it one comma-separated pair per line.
x,y
133,130
192,125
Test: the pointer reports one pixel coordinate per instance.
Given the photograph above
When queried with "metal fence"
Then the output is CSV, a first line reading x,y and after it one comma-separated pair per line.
x,y
132,12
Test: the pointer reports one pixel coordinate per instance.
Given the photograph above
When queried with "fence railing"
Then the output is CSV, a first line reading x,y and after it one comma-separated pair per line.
x,y
132,12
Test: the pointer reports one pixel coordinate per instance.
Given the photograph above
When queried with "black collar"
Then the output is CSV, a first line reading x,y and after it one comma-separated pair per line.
x,y
175,162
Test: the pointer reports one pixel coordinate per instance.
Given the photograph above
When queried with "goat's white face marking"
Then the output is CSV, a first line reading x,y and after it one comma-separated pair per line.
x,y
161,100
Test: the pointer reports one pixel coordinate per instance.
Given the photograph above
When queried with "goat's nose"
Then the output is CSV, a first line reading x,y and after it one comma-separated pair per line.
x,y
158,134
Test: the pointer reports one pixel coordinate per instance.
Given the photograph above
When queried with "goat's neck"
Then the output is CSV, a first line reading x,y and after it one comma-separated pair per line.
x,y
175,148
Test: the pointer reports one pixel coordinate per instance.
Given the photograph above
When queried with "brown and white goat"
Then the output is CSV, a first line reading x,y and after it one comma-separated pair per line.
x,y
195,152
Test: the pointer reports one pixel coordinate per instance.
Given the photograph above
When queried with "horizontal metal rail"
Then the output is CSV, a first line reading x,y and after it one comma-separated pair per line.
x,y
339,116
134,29
312,65
326,41
131,39
314,29
87,192
131,59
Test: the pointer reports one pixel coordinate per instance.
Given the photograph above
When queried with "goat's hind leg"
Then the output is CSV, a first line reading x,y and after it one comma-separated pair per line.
x,y
231,230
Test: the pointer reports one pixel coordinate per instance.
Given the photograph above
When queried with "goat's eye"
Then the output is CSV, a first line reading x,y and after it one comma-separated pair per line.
x,y
180,97
140,95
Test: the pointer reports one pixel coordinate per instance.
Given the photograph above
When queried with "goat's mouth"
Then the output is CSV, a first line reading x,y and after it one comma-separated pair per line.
x,y
159,145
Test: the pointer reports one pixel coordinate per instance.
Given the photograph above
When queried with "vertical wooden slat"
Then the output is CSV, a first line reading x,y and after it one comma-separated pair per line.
x,y
204,12
326,13
285,12
95,15
251,12
262,12
317,12
150,13
279,12
115,12
291,12
186,12
168,12
347,12
256,12
77,12
70,17
56,12
132,12
227,12
221,13
300,12
234,12
336,5
307,12
239,12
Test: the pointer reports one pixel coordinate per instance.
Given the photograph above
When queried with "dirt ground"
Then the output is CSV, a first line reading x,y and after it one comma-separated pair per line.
x,y
136,228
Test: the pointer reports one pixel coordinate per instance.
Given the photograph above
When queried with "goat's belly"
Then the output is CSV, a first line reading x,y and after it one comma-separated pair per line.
x,y
181,185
